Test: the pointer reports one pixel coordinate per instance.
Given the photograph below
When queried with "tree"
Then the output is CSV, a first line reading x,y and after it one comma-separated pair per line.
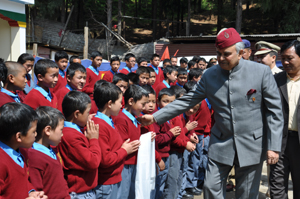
x,y
188,21
238,22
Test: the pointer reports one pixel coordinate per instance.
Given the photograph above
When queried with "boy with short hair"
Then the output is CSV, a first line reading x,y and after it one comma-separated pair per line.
x,y
61,59
45,167
121,81
152,78
143,74
142,62
92,73
170,74
155,59
195,74
181,77
129,128
46,72
76,78
183,62
15,80
75,59
166,63
114,150
192,64
115,65
27,60
130,62
133,78
18,125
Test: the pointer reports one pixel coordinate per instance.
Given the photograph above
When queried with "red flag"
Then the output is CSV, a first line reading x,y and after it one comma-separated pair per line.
x,y
176,53
166,54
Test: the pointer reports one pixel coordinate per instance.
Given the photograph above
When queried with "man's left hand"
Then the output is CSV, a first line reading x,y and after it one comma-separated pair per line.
x,y
272,157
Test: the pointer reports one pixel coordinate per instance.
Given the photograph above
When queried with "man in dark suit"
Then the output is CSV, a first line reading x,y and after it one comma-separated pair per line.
x,y
248,118
289,160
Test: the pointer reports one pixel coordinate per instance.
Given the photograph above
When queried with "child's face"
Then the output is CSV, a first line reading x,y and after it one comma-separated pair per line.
x,y
143,79
28,65
144,63
174,61
196,79
19,81
150,105
182,79
116,106
155,61
131,62
202,65
50,79
122,85
82,118
172,77
97,61
194,66
62,64
183,65
138,106
152,78
165,100
29,139
77,60
115,65
166,64
193,110
56,134
78,81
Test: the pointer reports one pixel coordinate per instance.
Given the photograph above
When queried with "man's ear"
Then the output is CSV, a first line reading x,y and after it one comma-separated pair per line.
x,y
40,77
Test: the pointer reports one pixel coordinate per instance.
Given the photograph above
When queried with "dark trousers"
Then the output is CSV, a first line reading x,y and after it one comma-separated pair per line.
x,y
289,162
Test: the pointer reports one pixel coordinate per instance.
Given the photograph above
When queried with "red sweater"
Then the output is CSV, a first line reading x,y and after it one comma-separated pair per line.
x,y
13,178
62,82
113,156
185,121
127,130
204,119
60,94
35,99
180,142
163,138
124,71
159,77
46,174
91,79
108,76
4,99
81,158
21,95
159,87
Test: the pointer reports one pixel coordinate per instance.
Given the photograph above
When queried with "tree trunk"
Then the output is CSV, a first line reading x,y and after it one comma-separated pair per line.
x,y
195,6
239,10
188,21
220,9
136,11
154,10
63,11
109,18
199,6
119,19
178,16
182,13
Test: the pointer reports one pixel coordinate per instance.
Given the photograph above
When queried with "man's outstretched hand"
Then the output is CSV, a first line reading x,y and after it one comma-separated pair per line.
x,y
146,120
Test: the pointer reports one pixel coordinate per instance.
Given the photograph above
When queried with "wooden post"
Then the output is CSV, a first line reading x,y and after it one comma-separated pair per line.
x,y
107,43
86,42
119,19
188,21
34,53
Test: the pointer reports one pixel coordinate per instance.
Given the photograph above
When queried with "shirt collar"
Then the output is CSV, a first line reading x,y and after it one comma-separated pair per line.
x,y
179,84
62,73
131,117
104,117
112,72
69,87
208,104
45,150
12,95
28,77
15,155
94,70
155,69
72,125
166,83
46,94
128,69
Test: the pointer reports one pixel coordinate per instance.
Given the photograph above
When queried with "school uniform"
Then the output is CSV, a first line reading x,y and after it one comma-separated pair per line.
x,y
81,158
128,127
126,70
39,97
61,93
46,172
109,75
159,74
62,81
113,158
7,96
160,86
14,174
92,76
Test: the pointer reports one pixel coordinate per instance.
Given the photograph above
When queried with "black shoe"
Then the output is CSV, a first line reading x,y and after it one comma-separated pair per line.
x,y
187,196
193,191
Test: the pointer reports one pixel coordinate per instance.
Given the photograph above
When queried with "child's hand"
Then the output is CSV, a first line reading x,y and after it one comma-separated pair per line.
x,y
91,116
92,130
131,147
190,146
162,165
153,135
37,195
176,131
194,138
191,125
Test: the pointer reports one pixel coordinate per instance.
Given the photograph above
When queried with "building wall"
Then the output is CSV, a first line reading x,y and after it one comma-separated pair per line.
x,y
5,35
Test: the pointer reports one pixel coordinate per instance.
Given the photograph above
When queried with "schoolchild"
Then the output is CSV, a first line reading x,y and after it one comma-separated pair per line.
x,y
170,74
181,77
121,81
75,59
27,60
130,61
133,78
142,61
61,59
115,65
195,74
143,74
183,62
152,77
155,59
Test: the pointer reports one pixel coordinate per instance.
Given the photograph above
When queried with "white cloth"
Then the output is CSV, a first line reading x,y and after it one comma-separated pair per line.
x,y
145,168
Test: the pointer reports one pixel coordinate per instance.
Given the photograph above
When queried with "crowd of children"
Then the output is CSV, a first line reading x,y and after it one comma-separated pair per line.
x,y
68,132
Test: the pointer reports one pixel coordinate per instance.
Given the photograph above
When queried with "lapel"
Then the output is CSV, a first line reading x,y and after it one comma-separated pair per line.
x,y
283,87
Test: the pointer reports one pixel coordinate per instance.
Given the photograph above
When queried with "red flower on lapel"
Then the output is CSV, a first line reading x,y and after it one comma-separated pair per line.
x,y
251,91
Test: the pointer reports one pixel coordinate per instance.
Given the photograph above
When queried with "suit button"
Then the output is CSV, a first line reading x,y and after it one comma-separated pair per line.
x,y
232,107
234,135
230,92
233,121
230,78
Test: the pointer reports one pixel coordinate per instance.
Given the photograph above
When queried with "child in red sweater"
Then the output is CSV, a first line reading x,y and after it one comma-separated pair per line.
x,y
27,60
121,81
115,65
152,77
170,74
130,63
76,78
114,150
46,72
155,60
92,73
80,152
129,128
61,59
15,81
45,166
18,125
143,74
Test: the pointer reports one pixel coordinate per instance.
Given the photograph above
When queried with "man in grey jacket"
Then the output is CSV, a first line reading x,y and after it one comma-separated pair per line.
x,y
248,118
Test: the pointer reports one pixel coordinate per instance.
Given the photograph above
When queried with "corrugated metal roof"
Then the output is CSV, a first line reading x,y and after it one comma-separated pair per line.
x,y
253,35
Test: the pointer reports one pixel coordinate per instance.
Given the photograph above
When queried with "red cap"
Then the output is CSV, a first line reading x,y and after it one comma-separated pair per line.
x,y
227,37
